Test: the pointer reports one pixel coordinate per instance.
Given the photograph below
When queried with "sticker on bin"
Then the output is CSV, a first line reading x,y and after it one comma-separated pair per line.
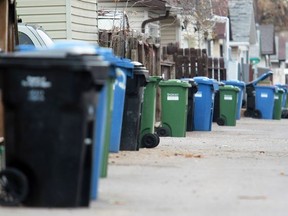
x,y
172,97
198,94
228,97
37,85
276,97
264,95
36,95
36,82
121,83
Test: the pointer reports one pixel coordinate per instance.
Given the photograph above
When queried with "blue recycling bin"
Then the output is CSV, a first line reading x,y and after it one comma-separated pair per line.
x,y
264,101
124,69
204,103
110,107
99,133
241,86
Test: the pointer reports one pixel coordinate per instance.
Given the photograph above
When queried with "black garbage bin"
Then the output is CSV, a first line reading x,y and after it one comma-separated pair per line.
x,y
190,107
49,98
216,109
132,108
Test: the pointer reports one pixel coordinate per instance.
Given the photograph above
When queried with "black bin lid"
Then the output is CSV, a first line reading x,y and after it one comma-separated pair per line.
x,y
72,59
140,69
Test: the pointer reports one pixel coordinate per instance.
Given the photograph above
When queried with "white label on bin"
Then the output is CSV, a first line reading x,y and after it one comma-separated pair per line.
x,y
121,79
276,97
228,97
172,97
264,95
36,95
198,94
36,82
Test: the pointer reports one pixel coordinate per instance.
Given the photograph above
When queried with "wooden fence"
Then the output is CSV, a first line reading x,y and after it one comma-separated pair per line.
x,y
170,61
193,62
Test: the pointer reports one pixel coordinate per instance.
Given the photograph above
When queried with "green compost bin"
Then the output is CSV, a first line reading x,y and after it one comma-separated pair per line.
x,y
174,101
278,97
228,96
148,137
105,153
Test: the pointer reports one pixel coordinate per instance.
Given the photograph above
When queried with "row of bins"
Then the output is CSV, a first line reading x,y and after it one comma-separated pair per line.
x,y
193,104
49,99
69,106
266,101
66,108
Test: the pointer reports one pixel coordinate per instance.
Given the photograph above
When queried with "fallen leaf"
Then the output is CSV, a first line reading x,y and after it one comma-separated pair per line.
x,y
193,156
262,152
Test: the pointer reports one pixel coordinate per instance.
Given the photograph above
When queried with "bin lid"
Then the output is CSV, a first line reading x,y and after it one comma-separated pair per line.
x,y
237,83
124,64
280,90
283,87
191,81
207,81
229,88
140,69
175,82
79,58
155,79
260,78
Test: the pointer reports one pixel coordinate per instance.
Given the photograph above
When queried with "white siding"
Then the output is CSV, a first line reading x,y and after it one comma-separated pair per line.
x,y
136,14
51,15
168,31
84,20
62,19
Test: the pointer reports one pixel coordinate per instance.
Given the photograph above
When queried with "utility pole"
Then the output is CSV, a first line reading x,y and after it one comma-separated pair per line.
x,y
8,39
8,25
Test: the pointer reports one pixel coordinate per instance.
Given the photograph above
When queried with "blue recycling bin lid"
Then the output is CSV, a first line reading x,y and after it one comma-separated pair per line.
x,y
207,81
25,48
125,64
261,78
75,47
105,53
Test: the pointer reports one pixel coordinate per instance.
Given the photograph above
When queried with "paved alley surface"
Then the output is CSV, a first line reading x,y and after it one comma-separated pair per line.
x,y
240,170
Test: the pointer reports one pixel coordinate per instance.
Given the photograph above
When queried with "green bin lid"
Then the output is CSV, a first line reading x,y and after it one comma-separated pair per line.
x,y
174,82
280,90
229,88
155,79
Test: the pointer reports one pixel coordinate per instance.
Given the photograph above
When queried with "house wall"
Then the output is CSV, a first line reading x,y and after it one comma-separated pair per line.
x,y
51,15
83,20
136,14
62,19
168,31
215,48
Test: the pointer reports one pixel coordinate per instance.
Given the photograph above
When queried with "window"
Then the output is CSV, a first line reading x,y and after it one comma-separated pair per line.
x,y
24,39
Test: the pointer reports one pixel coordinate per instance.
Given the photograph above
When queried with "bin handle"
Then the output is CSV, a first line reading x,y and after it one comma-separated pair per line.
x,y
261,78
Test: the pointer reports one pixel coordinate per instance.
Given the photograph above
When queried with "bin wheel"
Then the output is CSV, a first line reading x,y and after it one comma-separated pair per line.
x,y
248,113
150,140
284,114
162,132
158,138
13,187
221,121
257,114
